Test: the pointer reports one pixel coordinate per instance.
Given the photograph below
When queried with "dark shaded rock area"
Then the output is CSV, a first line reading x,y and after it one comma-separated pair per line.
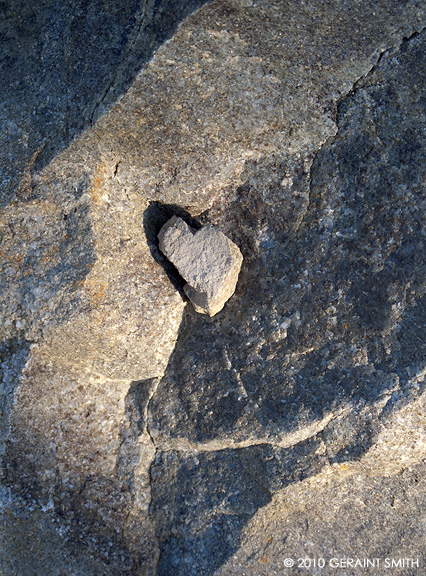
x,y
13,355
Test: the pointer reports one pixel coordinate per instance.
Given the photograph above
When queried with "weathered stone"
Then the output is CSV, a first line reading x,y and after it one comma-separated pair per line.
x,y
297,129
329,325
338,516
208,260
74,60
79,443
221,490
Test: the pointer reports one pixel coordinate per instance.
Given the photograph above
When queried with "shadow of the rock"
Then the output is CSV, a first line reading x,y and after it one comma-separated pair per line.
x,y
154,218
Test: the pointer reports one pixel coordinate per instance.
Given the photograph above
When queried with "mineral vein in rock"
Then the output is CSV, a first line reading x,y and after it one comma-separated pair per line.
x,y
208,261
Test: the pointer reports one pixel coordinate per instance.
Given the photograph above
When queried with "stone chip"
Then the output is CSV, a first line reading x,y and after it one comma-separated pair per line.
x,y
208,261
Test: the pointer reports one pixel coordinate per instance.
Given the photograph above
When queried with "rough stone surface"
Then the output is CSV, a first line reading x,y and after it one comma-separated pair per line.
x,y
206,259
143,438
64,64
338,517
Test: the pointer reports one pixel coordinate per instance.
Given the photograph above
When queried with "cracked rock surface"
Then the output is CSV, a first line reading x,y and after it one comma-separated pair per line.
x,y
138,437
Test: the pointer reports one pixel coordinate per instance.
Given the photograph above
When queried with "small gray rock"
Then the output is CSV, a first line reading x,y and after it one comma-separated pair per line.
x,y
208,260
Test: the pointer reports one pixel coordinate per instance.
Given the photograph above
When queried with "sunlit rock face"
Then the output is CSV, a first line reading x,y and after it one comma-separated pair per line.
x,y
137,436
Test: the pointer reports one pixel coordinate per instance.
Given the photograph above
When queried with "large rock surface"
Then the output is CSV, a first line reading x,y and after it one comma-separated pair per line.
x,y
138,437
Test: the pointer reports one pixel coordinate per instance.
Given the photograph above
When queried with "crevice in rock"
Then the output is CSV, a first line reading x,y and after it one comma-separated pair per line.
x,y
186,446
133,473
152,439
350,92
394,48
136,423
131,429
154,218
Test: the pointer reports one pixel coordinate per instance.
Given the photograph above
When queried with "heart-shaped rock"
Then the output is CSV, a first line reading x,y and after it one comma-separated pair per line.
x,y
208,261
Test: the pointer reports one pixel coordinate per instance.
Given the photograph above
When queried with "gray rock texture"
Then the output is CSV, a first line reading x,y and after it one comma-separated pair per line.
x,y
63,64
366,517
206,259
138,437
